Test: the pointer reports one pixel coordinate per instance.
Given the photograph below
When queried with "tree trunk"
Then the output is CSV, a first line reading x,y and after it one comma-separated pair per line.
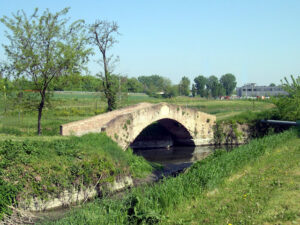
x,y
109,92
40,110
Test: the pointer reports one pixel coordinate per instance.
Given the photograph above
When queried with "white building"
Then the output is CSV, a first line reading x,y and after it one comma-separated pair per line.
x,y
251,90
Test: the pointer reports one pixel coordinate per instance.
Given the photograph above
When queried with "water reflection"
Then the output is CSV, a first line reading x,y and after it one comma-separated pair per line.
x,y
175,155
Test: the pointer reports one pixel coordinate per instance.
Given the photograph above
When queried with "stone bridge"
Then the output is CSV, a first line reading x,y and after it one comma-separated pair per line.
x,y
187,126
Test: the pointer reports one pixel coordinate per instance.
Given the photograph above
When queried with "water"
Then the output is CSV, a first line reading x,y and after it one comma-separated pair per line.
x,y
175,159
176,154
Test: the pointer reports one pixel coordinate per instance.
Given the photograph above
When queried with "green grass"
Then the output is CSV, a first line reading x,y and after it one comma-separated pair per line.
x,y
169,200
37,168
72,106
59,161
265,191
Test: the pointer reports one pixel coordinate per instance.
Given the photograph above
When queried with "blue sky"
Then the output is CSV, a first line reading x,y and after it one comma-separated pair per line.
x,y
258,41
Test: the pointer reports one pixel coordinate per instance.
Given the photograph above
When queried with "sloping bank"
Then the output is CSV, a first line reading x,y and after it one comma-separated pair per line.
x,y
38,175
149,205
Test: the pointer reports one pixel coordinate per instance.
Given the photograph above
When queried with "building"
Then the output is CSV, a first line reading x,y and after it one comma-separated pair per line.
x,y
251,90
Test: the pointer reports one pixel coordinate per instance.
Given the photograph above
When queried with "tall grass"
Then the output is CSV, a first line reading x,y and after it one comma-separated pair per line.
x,y
147,205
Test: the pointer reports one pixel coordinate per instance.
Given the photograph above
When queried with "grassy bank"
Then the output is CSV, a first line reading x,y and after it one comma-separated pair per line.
x,y
160,202
37,168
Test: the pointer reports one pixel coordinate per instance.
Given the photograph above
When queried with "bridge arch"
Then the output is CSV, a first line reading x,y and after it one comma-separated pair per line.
x,y
124,125
166,132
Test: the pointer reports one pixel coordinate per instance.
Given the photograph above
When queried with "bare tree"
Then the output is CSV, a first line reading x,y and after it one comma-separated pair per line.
x,y
102,34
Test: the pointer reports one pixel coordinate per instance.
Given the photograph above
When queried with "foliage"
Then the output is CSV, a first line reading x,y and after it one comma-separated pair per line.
x,y
133,85
228,82
102,35
170,91
40,168
215,89
154,83
184,86
194,90
289,106
149,204
200,84
8,194
42,49
272,85
77,82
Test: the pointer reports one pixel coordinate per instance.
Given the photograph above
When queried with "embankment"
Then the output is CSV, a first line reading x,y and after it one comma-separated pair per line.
x,y
150,204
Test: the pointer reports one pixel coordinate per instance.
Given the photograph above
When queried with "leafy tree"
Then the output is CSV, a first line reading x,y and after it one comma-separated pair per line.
x,y
228,82
194,90
102,34
200,83
170,91
90,83
154,83
133,85
289,106
184,86
272,85
213,86
42,48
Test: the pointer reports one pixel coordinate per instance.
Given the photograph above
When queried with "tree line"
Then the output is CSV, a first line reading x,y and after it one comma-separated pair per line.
x,y
153,85
46,51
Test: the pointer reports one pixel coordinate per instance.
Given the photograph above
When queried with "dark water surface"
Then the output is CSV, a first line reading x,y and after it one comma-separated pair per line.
x,y
175,159
175,155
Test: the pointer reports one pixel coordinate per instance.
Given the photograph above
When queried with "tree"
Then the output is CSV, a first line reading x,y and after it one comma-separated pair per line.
x,y
102,34
194,90
154,83
170,91
133,85
200,83
184,86
228,82
272,85
289,106
213,86
42,48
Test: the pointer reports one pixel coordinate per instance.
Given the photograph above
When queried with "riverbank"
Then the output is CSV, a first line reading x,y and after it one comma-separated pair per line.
x,y
47,173
158,203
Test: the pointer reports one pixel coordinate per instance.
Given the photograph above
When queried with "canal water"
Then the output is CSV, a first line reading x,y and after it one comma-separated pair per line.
x,y
175,159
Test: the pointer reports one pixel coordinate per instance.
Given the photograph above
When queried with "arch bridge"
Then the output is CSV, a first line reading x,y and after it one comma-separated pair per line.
x,y
187,126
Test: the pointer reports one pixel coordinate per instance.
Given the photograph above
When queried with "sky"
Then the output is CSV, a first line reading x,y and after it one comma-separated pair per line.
x,y
257,41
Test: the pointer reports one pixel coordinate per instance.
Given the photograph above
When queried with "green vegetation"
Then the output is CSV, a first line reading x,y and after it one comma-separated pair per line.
x,y
184,86
213,87
265,191
70,106
289,107
41,48
37,168
268,162
102,35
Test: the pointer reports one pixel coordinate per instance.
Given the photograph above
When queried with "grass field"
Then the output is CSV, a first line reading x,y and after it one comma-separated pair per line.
x,y
256,183
32,165
71,106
